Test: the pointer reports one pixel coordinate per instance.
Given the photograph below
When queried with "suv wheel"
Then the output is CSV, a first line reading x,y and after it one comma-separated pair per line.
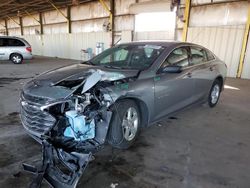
x,y
16,58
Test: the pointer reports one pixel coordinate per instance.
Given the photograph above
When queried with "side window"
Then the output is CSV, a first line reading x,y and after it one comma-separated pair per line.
x,y
198,55
210,56
15,42
1,42
178,57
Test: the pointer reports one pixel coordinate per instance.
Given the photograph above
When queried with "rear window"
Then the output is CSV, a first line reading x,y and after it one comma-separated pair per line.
x,y
210,56
198,55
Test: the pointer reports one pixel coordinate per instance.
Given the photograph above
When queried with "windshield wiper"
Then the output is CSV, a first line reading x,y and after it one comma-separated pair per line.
x,y
112,67
88,62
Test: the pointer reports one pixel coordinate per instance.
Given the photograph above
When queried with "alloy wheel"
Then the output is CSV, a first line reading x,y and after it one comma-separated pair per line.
x,y
130,124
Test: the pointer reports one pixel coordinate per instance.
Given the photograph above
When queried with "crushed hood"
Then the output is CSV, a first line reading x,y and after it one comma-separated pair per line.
x,y
53,84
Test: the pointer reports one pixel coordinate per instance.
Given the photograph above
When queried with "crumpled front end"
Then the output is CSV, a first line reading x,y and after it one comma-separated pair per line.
x,y
70,119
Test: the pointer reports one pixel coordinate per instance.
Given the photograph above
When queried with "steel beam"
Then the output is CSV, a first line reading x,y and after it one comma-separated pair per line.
x,y
186,20
244,45
41,23
21,24
112,10
57,9
13,20
6,27
105,6
30,15
69,19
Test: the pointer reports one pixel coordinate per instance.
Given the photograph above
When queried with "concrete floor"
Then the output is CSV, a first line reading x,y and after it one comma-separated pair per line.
x,y
197,148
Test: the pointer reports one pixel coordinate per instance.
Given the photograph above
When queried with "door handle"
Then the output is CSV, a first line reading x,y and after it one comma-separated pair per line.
x,y
211,68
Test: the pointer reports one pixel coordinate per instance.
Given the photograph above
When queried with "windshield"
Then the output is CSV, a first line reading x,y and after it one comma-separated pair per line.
x,y
128,56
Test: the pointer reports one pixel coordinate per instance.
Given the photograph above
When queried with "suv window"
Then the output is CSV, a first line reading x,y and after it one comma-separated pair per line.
x,y
178,57
198,55
210,55
14,42
1,42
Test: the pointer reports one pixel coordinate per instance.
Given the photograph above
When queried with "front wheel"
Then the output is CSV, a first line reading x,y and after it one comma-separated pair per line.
x,y
16,58
125,124
214,93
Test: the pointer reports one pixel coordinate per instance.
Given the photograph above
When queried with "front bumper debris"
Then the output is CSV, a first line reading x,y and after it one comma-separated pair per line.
x,y
59,168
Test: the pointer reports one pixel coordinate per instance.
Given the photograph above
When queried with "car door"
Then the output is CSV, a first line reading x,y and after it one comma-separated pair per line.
x,y
173,91
203,71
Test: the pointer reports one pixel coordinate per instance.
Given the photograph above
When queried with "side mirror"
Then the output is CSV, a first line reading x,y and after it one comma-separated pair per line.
x,y
172,69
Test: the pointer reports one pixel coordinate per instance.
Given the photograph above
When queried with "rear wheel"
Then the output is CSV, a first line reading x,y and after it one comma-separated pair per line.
x,y
125,124
16,58
214,93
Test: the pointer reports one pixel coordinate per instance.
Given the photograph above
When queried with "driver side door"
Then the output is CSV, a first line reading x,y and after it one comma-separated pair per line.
x,y
173,91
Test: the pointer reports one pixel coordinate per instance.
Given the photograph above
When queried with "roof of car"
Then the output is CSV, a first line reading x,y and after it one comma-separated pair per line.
x,y
11,37
158,43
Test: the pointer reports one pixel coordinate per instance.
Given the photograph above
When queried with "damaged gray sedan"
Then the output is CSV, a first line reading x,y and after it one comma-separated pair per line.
x,y
72,111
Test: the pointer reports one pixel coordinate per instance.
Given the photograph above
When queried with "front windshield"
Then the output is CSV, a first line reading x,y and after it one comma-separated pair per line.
x,y
128,56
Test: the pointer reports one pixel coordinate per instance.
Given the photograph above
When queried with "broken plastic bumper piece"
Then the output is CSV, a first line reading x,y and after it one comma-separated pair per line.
x,y
59,168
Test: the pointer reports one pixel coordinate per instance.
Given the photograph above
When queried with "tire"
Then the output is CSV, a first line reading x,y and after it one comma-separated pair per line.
x,y
124,128
16,58
214,93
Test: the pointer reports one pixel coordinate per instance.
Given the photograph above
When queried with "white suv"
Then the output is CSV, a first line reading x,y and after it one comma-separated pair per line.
x,y
14,49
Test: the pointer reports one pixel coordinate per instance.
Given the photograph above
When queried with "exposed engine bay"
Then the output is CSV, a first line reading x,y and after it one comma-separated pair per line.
x,y
74,127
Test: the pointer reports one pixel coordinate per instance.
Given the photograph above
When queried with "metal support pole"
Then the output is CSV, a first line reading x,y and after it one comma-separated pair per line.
x,y
21,24
112,10
186,19
41,23
69,18
105,6
6,27
244,45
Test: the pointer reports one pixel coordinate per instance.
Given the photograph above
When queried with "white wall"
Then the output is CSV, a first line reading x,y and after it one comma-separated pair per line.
x,y
225,42
246,65
220,28
66,45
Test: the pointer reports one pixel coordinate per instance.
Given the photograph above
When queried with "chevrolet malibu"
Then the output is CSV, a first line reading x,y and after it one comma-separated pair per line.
x,y
110,98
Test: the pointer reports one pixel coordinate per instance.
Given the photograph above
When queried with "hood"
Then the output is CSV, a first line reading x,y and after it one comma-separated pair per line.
x,y
61,82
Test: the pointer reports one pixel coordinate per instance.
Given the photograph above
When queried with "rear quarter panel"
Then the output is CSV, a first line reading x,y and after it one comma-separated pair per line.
x,y
20,50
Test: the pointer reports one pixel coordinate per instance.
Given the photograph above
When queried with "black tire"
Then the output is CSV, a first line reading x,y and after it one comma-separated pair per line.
x,y
16,58
116,136
216,88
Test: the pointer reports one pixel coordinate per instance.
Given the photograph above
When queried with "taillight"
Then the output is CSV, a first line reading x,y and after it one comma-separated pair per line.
x,y
29,49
